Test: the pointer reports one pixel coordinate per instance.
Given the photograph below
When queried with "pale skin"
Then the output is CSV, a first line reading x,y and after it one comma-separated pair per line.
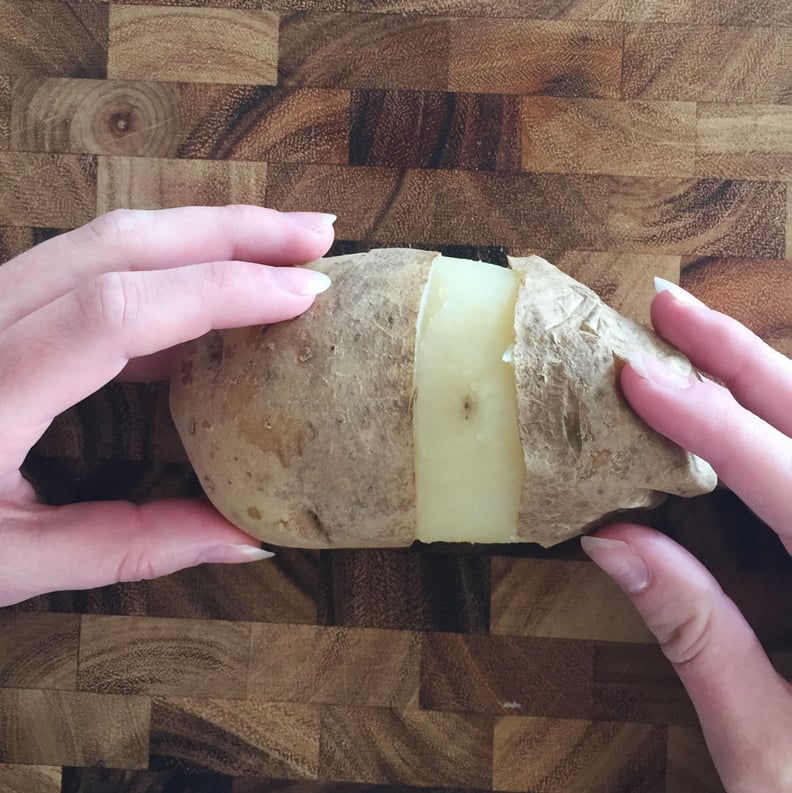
x,y
116,297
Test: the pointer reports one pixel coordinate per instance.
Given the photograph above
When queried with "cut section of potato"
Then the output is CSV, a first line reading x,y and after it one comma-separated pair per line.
x,y
468,460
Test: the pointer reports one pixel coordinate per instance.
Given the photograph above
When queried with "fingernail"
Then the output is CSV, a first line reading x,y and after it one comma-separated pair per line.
x,y
299,280
313,221
682,295
234,554
657,372
620,561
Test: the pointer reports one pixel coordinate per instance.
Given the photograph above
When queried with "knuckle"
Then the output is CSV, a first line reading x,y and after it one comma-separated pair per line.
x,y
108,303
143,566
116,227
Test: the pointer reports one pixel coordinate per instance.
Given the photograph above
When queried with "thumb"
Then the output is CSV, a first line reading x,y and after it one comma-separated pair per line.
x,y
744,706
92,544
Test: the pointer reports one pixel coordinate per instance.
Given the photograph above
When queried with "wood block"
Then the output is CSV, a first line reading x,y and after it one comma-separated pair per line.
x,y
762,300
284,590
38,650
501,674
411,747
389,51
53,38
689,765
236,737
540,211
412,129
395,589
149,183
699,63
535,57
602,136
73,728
636,683
334,666
623,281
570,756
199,45
30,779
5,112
112,780
744,141
138,655
47,190
564,600
185,120
14,240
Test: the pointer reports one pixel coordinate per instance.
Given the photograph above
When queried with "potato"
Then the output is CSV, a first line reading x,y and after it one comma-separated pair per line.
x,y
427,398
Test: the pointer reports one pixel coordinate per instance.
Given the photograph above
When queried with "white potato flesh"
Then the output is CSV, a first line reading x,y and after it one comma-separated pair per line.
x,y
469,465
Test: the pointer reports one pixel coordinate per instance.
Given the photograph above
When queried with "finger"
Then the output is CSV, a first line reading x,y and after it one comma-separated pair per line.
x,y
759,376
82,546
70,348
752,458
744,706
131,240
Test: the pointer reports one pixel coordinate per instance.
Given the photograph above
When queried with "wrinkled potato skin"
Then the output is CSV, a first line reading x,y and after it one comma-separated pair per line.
x,y
586,452
302,432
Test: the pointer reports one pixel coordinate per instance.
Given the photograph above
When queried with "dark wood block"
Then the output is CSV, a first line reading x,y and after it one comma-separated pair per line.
x,y
38,650
700,63
606,136
762,300
193,45
140,655
565,600
235,737
420,129
283,590
689,766
111,780
410,747
150,183
335,666
56,190
405,589
541,211
389,51
184,120
50,37
535,57
636,683
30,779
73,728
502,674
564,755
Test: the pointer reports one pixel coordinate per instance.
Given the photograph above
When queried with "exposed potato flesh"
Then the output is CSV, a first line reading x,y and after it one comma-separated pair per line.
x,y
468,465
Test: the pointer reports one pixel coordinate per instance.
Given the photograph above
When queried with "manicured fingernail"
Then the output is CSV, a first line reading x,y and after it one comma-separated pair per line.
x,y
682,295
313,221
620,561
299,280
658,373
234,554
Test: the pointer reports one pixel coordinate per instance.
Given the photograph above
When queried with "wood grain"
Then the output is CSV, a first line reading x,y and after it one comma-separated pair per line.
x,y
73,728
30,778
47,190
608,137
5,112
213,45
149,183
532,754
563,600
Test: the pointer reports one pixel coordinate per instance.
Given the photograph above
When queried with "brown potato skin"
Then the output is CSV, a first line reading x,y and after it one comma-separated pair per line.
x,y
301,432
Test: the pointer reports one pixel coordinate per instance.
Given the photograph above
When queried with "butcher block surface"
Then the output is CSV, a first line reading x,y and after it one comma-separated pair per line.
x,y
620,138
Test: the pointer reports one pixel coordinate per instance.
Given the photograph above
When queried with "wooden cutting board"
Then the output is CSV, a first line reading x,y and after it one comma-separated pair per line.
x,y
621,138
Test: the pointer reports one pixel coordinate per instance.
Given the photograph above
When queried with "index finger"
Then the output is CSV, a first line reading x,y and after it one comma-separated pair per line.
x,y
131,240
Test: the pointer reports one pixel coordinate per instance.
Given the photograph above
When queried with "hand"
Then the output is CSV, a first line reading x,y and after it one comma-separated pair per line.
x,y
114,298
743,431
